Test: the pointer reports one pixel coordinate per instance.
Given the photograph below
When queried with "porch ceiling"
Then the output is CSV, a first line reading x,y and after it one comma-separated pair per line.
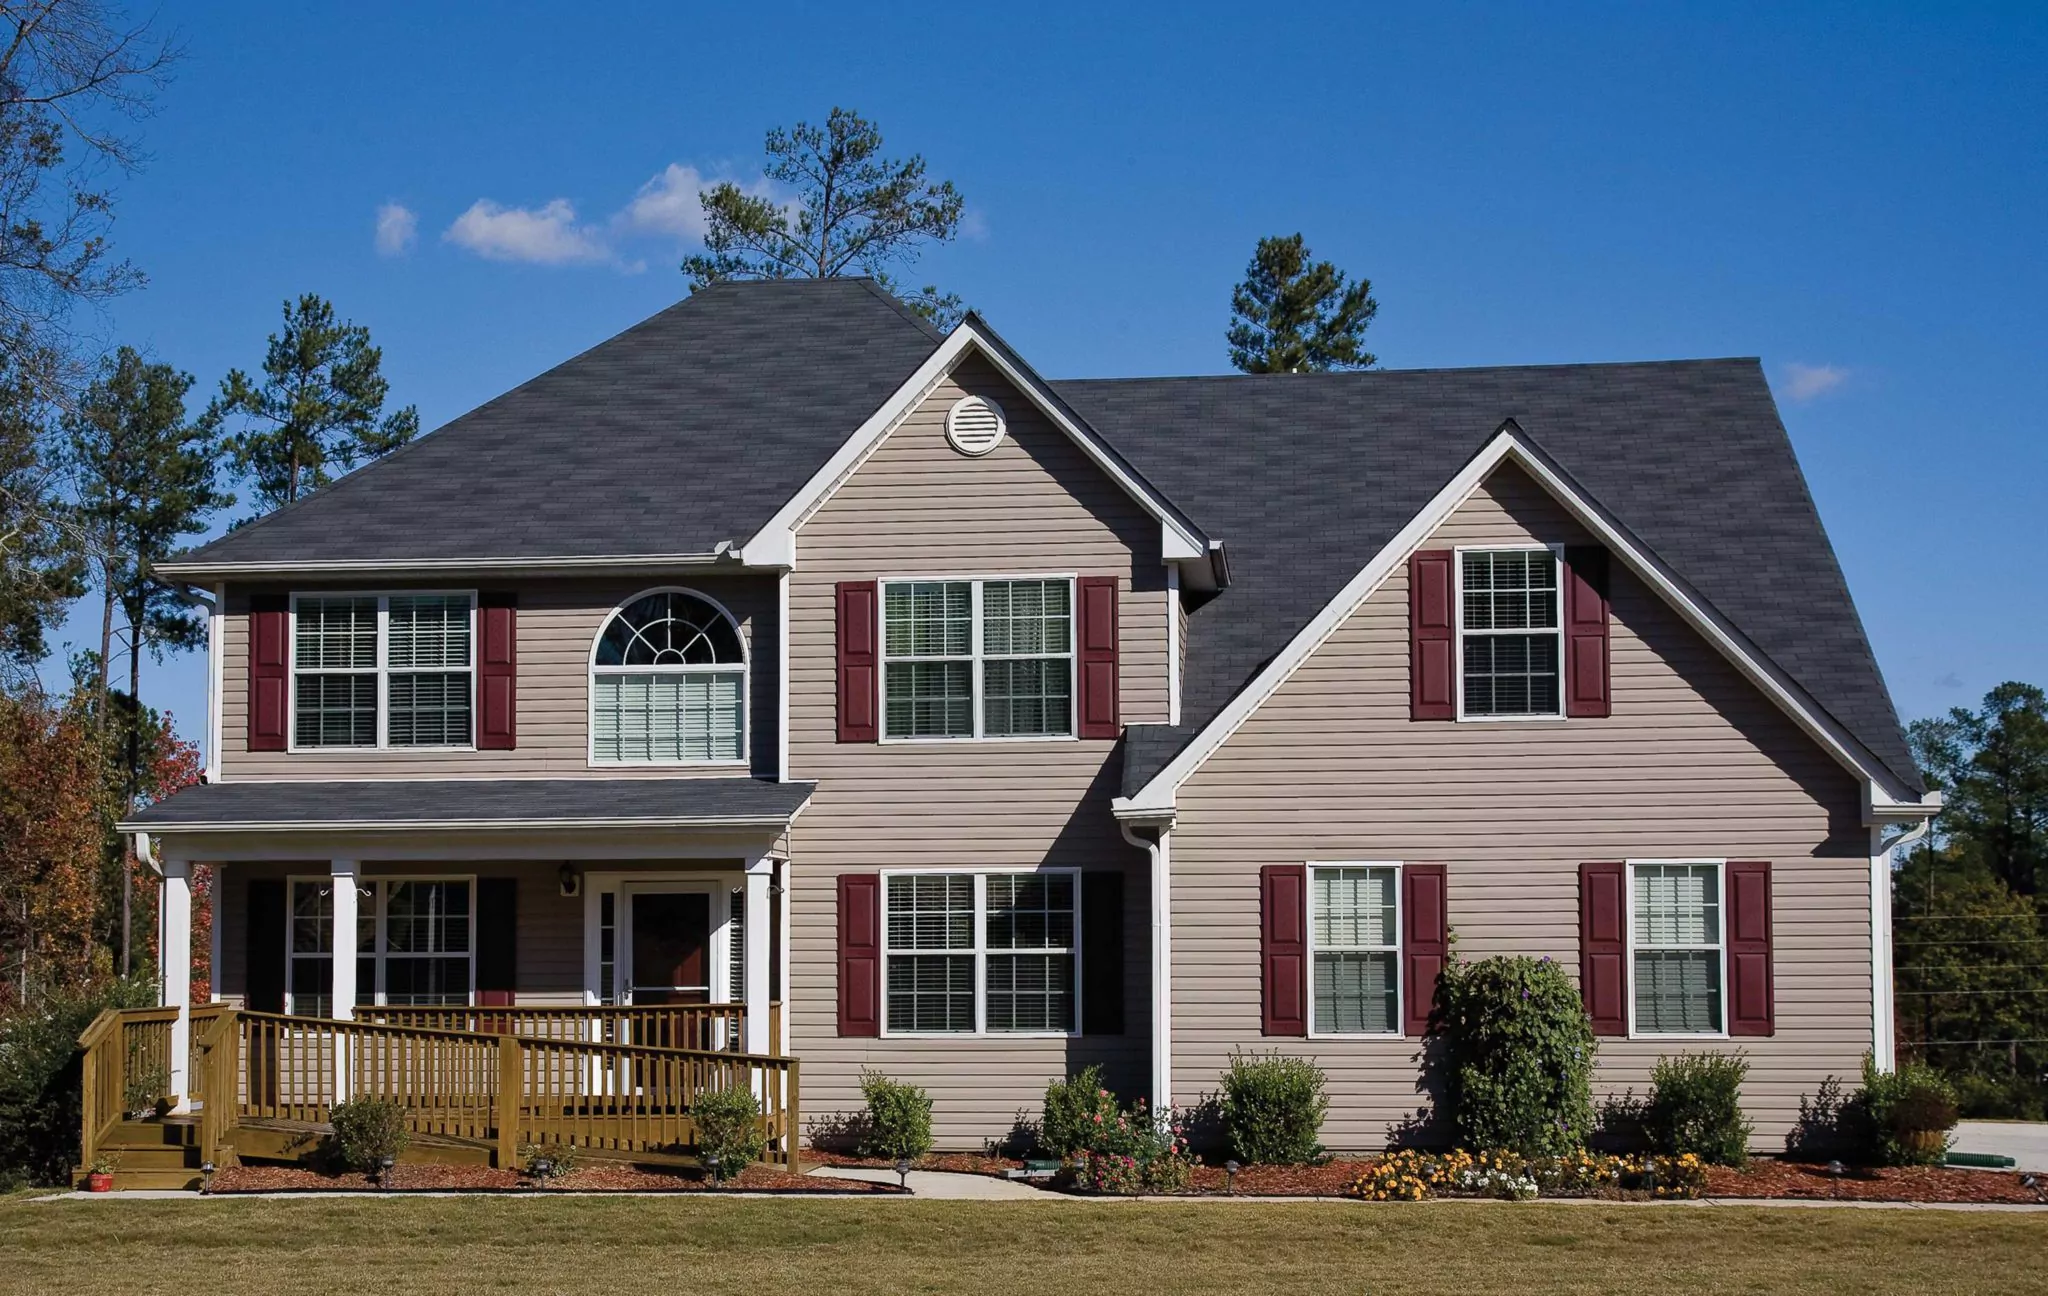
x,y
461,805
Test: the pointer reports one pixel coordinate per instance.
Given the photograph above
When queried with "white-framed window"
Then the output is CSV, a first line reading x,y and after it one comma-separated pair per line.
x,y
1355,949
415,943
1510,633
1677,950
994,953
668,683
978,658
383,670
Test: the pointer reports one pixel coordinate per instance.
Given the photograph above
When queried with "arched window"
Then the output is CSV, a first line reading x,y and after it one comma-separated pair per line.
x,y
668,683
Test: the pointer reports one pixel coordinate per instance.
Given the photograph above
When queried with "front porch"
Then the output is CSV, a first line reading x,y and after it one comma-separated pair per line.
x,y
476,1085
508,977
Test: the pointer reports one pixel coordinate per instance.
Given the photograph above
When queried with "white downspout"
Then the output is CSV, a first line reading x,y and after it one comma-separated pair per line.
x,y
1162,961
1883,1004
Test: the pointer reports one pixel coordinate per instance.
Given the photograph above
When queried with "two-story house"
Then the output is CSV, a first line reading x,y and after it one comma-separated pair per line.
x,y
782,677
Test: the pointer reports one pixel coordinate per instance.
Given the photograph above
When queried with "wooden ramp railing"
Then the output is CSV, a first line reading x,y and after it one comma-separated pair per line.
x,y
127,1068
495,1085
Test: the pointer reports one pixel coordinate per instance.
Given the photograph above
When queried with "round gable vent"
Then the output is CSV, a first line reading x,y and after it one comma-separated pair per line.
x,y
974,425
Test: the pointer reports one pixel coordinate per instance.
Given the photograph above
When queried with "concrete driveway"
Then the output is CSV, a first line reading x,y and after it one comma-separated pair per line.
x,y
2024,1141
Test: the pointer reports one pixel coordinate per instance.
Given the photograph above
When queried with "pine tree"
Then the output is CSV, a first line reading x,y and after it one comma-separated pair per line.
x,y
853,212
1292,315
320,404
146,478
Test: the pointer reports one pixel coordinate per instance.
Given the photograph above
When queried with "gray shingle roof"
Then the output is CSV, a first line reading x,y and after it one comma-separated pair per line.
x,y
481,802
1306,476
689,428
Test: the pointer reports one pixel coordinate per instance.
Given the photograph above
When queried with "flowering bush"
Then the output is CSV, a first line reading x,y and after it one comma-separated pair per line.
x,y
1419,1176
1074,1108
1131,1151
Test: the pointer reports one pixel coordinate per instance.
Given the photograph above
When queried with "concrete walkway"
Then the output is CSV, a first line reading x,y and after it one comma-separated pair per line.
x,y
954,1187
2024,1141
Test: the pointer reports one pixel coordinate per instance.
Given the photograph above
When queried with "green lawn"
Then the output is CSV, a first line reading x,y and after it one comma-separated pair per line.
x,y
671,1245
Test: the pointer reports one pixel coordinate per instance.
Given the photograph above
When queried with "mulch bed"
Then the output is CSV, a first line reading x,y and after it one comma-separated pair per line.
x,y
1331,1179
595,1177
1763,1178
972,1163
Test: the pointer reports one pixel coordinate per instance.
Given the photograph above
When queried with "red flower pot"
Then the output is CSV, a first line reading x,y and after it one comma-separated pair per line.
x,y
98,1182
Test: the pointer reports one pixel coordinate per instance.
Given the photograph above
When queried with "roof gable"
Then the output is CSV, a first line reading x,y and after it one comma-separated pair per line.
x,y
1310,477
678,434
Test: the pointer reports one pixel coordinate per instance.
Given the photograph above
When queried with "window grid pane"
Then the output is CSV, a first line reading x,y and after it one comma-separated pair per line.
x,y
1677,964
429,710
336,634
1027,696
428,632
1030,992
1354,992
931,699
931,993
668,716
1025,618
1514,589
1508,671
930,618
931,911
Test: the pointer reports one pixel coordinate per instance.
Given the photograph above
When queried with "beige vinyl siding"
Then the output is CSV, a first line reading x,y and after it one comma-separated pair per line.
x,y
1694,762
549,924
559,620
917,507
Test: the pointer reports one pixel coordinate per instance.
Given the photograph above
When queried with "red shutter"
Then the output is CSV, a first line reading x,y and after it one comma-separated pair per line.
x,y
497,672
1283,949
859,661
1431,636
1603,947
860,953
1586,673
1751,1006
1425,943
1096,598
270,671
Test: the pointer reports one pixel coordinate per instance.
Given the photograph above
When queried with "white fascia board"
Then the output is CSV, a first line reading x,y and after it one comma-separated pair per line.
x,y
1157,796
453,825
543,566
775,543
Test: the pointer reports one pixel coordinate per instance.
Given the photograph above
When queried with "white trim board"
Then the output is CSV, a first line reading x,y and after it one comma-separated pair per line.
x,y
774,545
1887,795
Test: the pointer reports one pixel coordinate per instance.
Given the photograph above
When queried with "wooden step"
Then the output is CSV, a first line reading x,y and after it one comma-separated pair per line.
x,y
153,1158
170,1132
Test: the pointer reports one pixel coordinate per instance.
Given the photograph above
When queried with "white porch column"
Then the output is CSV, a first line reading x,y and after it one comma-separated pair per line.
x,y
174,963
759,873
343,873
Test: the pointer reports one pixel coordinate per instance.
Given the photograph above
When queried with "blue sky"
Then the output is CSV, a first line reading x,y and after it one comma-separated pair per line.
x,y
1853,193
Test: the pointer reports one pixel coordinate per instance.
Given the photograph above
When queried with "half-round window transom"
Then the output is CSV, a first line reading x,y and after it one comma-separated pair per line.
x,y
669,629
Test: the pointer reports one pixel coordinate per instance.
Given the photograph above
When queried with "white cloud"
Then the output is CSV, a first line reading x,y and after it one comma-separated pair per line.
x,y
548,235
1804,382
668,204
974,225
397,227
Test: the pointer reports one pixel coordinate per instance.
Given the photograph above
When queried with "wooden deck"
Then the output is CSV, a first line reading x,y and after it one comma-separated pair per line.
x,y
262,1085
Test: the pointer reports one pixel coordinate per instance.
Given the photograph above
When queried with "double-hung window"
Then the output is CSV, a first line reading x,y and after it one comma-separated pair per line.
x,y
969,953
1675,931
371,671
1355,940
415,941
1511,633
978,658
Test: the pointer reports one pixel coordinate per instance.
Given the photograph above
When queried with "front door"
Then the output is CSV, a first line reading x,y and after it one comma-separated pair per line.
x,y
671,947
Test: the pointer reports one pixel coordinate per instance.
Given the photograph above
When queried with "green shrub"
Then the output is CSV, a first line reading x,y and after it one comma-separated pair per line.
x,y
1910,1112
1075,1109
899,1119
728,1127
366,1130
1517,1056
1833,1125
561,1159
1272,1109
1696,1106
39,1080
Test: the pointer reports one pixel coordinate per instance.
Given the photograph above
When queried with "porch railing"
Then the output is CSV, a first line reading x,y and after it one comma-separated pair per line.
x,y
706,1027
496,1087
127,1067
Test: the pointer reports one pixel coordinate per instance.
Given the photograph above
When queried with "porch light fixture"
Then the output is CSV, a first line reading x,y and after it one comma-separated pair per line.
x,y
572,880
1230,1169
384,1168
712,1161
1834,1178
543,1169
903,1172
